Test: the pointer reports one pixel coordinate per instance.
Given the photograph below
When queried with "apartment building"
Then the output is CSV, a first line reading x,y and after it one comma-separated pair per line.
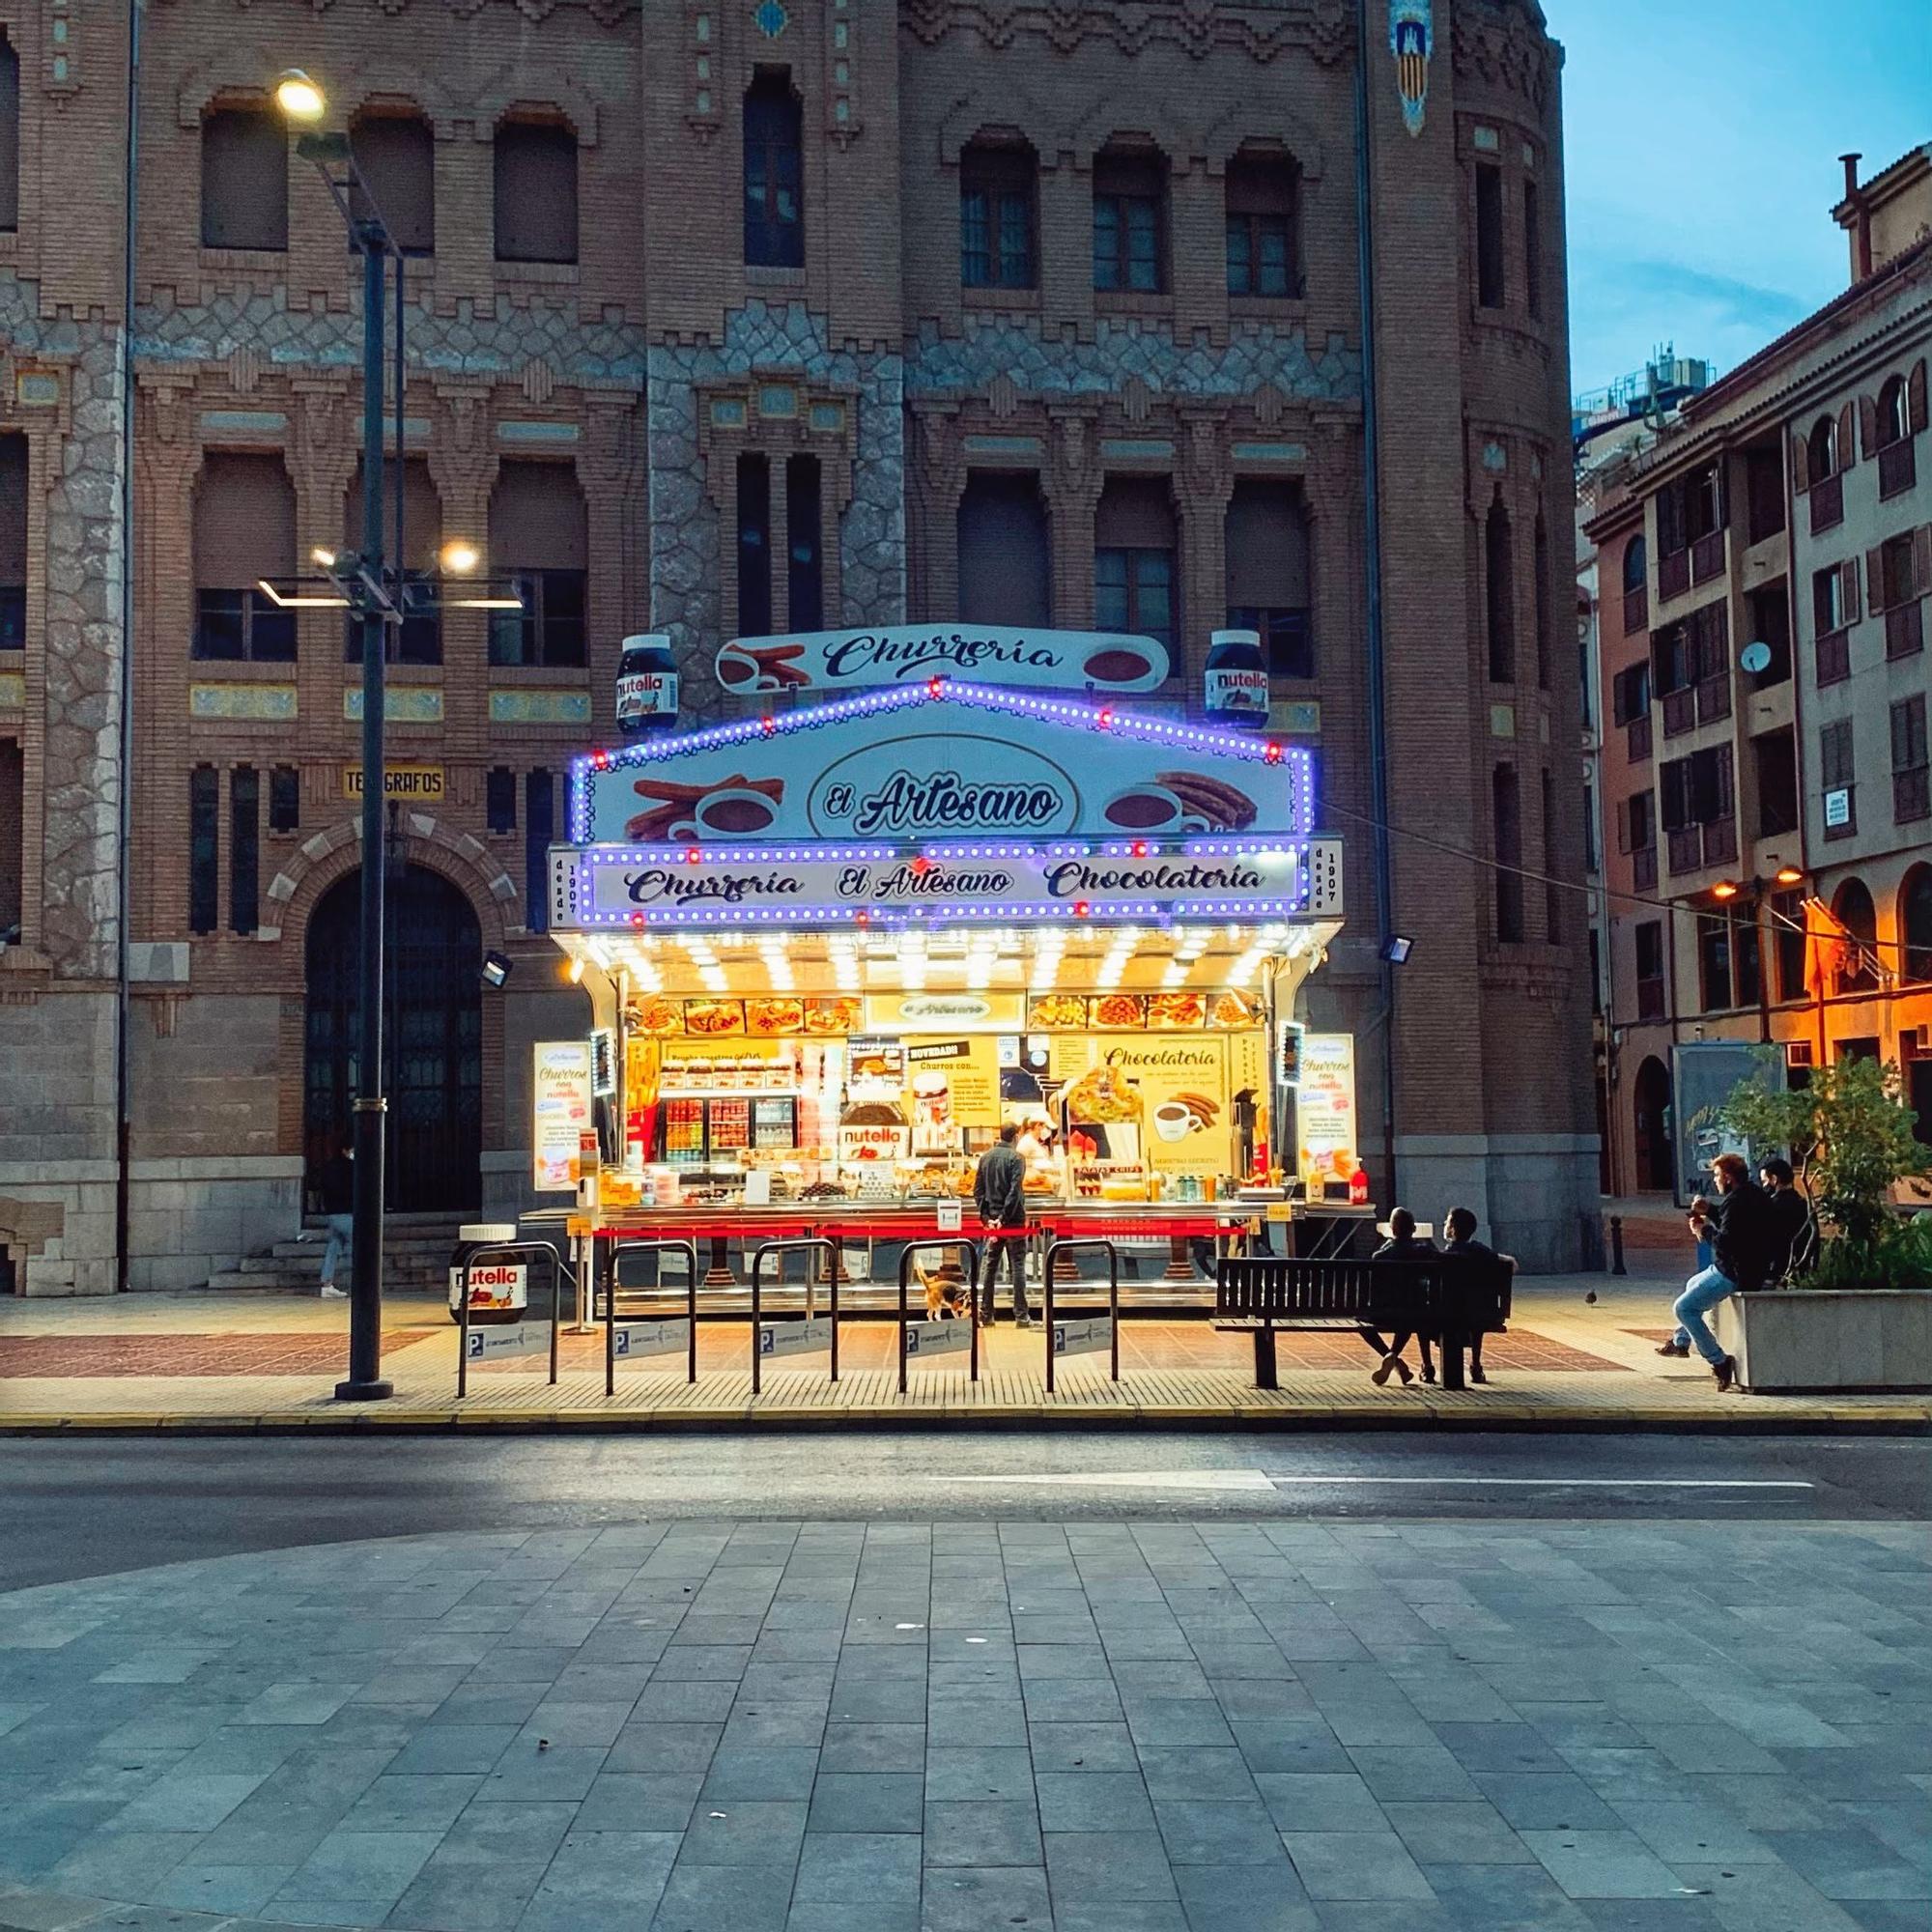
x,y
1765,692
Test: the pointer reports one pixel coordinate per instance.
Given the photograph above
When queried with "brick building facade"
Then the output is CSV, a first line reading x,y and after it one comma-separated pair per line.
x,y
728,317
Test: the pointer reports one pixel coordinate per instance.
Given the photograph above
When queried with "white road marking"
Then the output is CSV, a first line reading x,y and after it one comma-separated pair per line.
x,y
1132,1479
1556,1482
1259,1479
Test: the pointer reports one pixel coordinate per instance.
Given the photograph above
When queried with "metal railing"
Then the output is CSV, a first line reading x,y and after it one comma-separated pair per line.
x,y
497,1251
665,1244
952,1243
1055,1248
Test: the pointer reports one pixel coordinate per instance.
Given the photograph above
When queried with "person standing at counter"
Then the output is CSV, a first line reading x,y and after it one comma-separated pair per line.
x,y
999,1192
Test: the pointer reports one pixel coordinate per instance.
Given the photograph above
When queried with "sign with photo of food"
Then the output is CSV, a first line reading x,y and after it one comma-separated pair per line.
x,y
712,1019
1113,1010
1056,1013
776,1015
1171,1012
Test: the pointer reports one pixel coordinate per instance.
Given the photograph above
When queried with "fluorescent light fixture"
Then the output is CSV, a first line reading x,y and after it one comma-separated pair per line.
x,y
298,603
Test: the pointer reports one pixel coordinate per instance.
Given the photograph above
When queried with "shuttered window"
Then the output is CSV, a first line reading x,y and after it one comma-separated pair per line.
x,y
1134,578
12,543
538,535
1006,570
421,639
1266,532
245,180
244,530
10,136
396,155
536,192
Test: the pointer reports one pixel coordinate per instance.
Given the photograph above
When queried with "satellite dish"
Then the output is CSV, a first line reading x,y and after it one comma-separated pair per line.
x,y
1755,657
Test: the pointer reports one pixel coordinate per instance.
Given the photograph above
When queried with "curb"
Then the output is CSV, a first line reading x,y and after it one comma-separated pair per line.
x,y
1904,1419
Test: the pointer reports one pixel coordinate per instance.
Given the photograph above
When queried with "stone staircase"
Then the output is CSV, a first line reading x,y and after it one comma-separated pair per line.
x,y
416,1259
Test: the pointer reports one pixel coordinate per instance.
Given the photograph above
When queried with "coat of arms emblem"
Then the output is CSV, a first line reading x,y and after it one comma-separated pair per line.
x,y
1411,40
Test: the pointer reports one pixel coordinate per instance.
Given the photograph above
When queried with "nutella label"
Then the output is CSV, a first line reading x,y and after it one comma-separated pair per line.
x,y
1231,687
647,694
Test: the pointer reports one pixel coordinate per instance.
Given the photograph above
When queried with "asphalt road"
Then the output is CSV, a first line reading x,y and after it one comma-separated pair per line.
x,y
99,1506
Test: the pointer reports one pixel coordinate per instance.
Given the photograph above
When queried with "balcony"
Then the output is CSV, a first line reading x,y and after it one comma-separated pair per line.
x,y
1707,558
1673,576
1911,797
1897,467
1835,657
1686,848
1636,609
1905,626
1827,503
1714,697
1643,869
1636,739
1721,842
1680,711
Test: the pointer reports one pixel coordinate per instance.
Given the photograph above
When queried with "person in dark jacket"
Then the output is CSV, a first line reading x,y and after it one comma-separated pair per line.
x,y
1739,1226
1403,1244
337,1185
1790,1216
999,1192
1459,1226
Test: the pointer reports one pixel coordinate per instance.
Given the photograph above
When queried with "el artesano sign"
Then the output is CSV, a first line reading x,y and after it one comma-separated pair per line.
x,y
614,888
900,767
1102,663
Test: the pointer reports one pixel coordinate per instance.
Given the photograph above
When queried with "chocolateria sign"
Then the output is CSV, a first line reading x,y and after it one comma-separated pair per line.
x,y
1102,663
902,768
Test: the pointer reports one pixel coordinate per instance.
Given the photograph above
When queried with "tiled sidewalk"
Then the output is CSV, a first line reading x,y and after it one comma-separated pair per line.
x,y
907,1727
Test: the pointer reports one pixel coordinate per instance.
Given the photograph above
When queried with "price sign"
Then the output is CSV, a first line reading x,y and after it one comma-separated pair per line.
x,y
1083,1338
795,1338
937,1338
948,1217
519,1338
630,1341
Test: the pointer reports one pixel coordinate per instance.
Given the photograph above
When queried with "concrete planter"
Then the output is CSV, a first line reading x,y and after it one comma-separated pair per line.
x,y
1795,1340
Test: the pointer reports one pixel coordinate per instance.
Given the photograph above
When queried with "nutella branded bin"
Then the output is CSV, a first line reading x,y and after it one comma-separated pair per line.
x,y
500,1290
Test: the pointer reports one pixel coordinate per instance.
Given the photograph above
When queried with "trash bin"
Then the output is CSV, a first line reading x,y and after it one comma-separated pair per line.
x,y
500,1290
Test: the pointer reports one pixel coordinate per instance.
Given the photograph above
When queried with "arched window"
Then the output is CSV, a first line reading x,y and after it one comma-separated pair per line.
x,y
774,173
998,194
1635,564
1856,912
1822,448
1500,592
1894,421
1636,584
395,154
245,180
1260,215
1915,924
1006,572
536,192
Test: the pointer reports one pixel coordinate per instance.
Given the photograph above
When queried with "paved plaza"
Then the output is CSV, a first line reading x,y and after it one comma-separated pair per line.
x,y
967,1726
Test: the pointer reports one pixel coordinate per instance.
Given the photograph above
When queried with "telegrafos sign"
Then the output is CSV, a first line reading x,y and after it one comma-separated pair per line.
x,y
1104,662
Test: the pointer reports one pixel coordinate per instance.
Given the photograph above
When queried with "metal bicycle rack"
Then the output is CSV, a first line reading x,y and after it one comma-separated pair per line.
x,y
618,1250
497,1251
1055,1248
952,1243
813,1244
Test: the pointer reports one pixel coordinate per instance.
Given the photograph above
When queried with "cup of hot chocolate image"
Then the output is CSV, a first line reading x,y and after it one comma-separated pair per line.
x,y
733,812
1172,1122
1143,808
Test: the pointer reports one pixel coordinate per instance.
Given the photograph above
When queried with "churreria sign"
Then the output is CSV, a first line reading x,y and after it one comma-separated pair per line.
x,y
1106,663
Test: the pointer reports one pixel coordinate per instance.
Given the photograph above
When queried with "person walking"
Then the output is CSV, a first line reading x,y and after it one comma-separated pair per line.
x,y
1459,1226
1790,1217
1738,1225
999,1192
336,1186
1402,1245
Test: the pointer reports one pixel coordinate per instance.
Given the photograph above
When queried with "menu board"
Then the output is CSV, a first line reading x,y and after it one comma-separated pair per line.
x,y
1175,1091
560,1110
1324,1107
957,1077
1182,1010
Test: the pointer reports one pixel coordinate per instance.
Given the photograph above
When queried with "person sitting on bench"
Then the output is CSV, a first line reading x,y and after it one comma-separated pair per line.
x,y
1460,1225
1402,1245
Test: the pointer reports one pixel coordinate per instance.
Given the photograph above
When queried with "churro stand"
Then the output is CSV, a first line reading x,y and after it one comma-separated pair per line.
x,y
833,946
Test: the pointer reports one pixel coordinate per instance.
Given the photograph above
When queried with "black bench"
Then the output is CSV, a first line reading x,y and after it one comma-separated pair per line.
x,y
1448,1300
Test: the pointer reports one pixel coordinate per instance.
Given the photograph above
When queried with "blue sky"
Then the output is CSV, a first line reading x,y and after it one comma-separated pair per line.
x,y
1701,144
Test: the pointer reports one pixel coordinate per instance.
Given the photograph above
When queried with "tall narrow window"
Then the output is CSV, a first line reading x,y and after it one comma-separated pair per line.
x,y
755,546
1858,916
204,849
1915,923
1005,574
805,540
12,839
395,154
539,829
285,799
1787,927
774,174
1910,798
1134,545
1532,247
1552,889
1540,559
1499,593
499,799
244,530
997,199
12,543
538,538
1506,806
1267,542
244,848
1261,251
536,192
1489,282
10,136
1838,778
1129,219
245,180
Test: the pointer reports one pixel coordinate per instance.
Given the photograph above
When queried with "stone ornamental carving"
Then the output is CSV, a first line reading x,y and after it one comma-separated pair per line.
x,y
1321,29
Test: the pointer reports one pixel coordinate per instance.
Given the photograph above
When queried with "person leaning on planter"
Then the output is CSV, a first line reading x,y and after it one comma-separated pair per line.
x,y
1738,1225
1790,1215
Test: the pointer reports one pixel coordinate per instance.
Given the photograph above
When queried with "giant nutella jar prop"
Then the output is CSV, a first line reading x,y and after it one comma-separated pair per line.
x,y
1235,680
646,686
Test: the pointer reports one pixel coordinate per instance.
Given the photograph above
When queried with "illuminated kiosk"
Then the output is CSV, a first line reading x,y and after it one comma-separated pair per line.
x,y
830,950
